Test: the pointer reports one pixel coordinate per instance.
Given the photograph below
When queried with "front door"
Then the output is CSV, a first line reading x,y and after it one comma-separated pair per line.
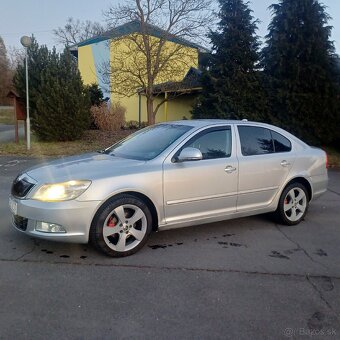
x,y
202,189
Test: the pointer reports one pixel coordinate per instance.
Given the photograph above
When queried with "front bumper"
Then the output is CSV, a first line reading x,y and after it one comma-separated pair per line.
x,y
74,216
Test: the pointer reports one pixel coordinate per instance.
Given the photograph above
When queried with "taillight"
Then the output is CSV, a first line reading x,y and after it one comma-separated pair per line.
x,y
326,161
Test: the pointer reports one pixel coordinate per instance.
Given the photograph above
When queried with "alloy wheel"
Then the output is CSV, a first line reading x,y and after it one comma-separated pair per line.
x,y
124,228
295,204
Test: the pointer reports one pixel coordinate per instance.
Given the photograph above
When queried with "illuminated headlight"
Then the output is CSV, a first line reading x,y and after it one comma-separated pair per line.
x,y
61,191
49,227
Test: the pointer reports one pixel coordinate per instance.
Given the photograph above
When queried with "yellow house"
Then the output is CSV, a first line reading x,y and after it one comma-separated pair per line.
x,y
104,58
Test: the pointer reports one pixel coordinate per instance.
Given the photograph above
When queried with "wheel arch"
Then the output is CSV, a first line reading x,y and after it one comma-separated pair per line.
x,y
304,182
150,205
143,197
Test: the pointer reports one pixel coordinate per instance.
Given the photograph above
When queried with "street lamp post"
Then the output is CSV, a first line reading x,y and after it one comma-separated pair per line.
x,y
26,42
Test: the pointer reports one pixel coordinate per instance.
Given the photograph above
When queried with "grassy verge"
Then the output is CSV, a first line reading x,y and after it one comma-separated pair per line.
x,y
6,116
333,157
91,141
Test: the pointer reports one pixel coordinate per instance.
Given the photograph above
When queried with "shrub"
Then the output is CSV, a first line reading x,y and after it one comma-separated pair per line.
x,y
96,98
109,119
134,125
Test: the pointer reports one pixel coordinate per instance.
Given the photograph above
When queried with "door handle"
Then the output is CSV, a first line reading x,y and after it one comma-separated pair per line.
x,y
284,163
229,169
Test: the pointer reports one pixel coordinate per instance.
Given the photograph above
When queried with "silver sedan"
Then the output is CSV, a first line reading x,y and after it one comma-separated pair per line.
x,y
167,176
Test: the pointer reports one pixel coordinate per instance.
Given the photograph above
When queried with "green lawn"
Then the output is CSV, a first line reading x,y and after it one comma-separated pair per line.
x,y
333,157
91,141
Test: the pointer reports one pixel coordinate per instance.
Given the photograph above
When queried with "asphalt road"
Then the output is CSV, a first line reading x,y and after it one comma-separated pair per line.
x,y
242,279
7,132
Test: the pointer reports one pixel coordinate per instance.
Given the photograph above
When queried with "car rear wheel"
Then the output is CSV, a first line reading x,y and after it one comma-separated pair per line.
x,y
121,226
293,204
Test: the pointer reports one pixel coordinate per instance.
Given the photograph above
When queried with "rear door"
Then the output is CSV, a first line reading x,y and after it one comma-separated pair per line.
x,y
265,159
205,188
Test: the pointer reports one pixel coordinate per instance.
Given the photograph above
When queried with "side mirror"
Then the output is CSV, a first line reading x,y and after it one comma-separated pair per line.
x,y
190,154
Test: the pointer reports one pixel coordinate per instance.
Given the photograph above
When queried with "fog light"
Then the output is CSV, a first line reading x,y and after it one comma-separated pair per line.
x,y
49,227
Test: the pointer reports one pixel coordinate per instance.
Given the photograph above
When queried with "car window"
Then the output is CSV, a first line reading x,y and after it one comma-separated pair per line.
x,y
281,144
255,140
213,144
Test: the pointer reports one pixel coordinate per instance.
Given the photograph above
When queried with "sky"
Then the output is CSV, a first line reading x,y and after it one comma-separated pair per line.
x,y
40,17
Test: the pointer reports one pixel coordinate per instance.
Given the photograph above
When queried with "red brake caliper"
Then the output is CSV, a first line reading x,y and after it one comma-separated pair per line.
x,y
110,222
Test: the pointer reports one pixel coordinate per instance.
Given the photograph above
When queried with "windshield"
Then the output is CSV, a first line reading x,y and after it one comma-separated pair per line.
x,y
148,143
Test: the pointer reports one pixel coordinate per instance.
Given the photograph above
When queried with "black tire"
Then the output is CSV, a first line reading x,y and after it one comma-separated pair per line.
x,y
121,230
287,217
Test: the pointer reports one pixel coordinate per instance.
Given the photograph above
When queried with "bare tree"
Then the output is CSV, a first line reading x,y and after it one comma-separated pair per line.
x,y
16,56
6,73
147,57
76,31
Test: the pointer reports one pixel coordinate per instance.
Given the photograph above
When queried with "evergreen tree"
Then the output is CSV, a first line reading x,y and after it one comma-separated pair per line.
x,y
96,94
300,64
337,66
231,84
59,102
38,59
63,106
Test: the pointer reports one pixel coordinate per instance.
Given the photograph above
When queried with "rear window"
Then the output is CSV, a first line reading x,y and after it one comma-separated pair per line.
x,y
255,140
281,144
258,141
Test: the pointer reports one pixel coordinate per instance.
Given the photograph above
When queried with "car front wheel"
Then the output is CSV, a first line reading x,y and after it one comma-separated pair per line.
x,y
121,226
293,204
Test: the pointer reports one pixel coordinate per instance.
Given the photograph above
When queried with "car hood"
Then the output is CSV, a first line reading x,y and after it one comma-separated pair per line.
x,y
83,167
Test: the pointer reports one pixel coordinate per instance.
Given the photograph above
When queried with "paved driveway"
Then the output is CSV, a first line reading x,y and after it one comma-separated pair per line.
x,y
242,279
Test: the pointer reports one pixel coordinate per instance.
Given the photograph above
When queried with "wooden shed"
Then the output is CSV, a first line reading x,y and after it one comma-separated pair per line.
x,y
19,111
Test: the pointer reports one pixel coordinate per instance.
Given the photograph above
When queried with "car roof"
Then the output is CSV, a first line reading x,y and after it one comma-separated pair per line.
x,y
200,123
208,122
